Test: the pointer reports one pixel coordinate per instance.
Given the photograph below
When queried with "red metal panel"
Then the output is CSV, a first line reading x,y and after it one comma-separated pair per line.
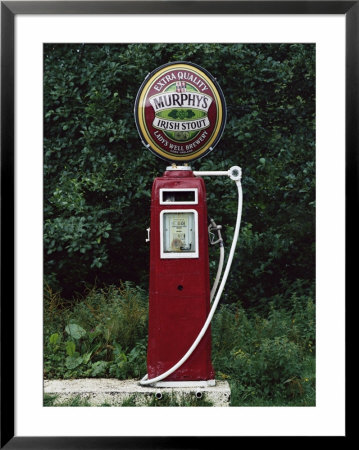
x,y
179,291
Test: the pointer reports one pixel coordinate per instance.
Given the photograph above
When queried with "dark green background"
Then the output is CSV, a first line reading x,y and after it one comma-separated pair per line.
x,y
98,176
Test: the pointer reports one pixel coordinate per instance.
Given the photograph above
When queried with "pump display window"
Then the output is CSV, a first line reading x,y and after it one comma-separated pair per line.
x,y
179,234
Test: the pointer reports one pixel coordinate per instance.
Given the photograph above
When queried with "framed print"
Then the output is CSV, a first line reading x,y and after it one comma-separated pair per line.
x,y
41,41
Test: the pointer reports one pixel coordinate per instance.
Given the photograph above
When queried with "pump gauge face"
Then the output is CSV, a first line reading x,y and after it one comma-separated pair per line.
x,y
180,112
179,235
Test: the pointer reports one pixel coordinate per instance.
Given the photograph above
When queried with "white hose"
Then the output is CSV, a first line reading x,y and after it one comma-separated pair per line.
x,y
235,174
219,271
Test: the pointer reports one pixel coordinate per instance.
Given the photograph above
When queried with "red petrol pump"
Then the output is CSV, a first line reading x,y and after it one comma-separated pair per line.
x,y
179,276
180,114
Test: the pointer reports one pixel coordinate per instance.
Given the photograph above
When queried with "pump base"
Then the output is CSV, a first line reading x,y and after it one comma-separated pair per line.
x,y
179,384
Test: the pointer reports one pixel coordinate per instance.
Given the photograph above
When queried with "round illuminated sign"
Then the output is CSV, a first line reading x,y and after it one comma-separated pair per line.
x,y
180,112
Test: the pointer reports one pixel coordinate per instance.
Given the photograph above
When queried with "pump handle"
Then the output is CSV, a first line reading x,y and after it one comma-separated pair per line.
x,y
213,226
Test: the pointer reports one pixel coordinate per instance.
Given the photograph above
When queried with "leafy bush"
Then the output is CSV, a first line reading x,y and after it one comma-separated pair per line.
x,y
98,176
102,334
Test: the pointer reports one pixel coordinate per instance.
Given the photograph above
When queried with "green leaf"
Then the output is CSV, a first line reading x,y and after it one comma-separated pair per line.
x,y
86,357
70,348
73,361
75,331
54,338
99,368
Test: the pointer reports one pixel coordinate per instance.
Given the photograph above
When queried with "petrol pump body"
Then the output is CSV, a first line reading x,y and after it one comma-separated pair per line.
x,y
179,300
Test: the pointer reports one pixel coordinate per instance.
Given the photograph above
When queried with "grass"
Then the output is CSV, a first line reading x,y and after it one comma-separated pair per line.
x,y
169,400
166,400
49,400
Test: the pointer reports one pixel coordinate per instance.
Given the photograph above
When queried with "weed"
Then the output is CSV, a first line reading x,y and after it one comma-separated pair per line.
x,y
49,400
184,400
130,401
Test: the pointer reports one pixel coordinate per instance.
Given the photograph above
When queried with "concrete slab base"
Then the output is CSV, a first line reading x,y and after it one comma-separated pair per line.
x,y
112,392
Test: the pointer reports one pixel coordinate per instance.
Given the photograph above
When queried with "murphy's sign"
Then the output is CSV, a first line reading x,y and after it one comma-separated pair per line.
x,y
180,112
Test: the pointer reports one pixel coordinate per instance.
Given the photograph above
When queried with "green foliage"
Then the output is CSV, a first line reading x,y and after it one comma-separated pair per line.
x,y
172,400
75,331
268,359
98,176
49,400
102,335
52,400
70,348
166,400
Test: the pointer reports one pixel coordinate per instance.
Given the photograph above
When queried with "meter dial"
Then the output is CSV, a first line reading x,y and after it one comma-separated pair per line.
x,y
179,234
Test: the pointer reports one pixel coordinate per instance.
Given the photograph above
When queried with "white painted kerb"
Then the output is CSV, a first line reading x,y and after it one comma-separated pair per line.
x,y
97,391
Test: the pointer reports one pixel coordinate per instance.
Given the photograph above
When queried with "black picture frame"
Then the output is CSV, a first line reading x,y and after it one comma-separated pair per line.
x,y
9,9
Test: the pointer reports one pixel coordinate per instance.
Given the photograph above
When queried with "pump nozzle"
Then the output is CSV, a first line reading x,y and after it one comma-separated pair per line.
x,y
213,226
